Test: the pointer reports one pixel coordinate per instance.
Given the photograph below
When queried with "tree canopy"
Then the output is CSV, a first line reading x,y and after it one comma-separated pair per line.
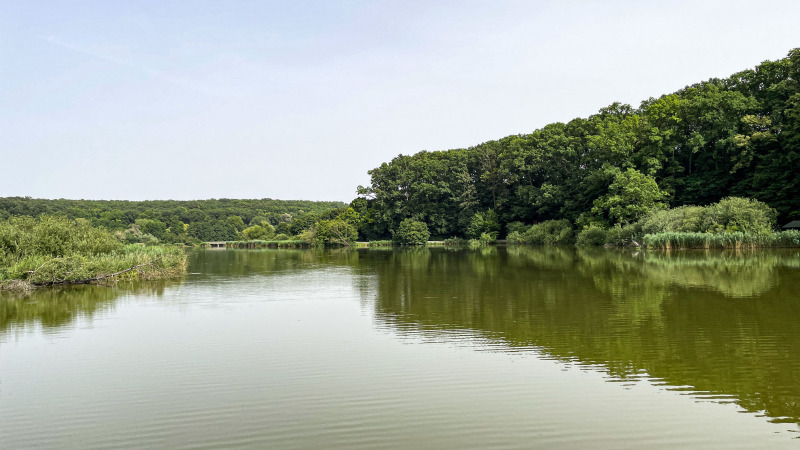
x,y
732,137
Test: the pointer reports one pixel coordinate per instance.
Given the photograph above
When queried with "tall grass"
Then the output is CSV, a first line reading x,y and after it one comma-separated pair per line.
x,y
736,240
52,250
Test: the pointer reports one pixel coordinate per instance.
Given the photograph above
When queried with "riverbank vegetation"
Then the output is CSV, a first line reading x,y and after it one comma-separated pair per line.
x,y
53,250
717,157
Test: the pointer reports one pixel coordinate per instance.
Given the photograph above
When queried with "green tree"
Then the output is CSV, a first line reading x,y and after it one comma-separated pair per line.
x,y
630,197
335,232
411,232
259,232
236,221
484,222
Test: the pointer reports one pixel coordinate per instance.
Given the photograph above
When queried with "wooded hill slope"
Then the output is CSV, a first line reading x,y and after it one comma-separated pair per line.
x,y
173,220
736,136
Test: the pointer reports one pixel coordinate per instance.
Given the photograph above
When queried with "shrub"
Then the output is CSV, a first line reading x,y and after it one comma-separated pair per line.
x,y
739,214
592,235
411,232
486,239
55,250
729,215
518,227
515,237
682,218
281,237
550,232
484,222
620,236
335,232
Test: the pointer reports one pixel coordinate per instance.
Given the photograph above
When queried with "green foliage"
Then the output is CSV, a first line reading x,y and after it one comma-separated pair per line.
x,y
411,232
170,220
484,223
630,196
592,235
729,215
236,221
517,226
515,238
281,237
335,233
53,236
259,232
680,219
620,236
54,250
486,239
737,240
740,214
549,232
733,137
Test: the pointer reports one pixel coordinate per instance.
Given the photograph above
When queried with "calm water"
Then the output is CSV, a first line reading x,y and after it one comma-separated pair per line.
x,y
426,348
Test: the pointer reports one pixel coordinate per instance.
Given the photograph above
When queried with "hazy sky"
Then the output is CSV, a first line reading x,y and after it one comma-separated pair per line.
x,y
299,99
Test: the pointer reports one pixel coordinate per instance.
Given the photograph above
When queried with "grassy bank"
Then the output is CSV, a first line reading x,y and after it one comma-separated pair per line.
x,y
49,250
736,240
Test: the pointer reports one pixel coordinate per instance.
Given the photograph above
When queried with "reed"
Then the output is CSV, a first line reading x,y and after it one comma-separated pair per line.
x,y
738,240
51,250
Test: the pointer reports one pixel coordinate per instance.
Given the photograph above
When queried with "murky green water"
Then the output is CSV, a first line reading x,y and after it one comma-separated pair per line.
x,y
426,348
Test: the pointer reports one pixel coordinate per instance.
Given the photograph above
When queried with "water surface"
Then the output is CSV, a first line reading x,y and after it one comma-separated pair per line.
x,y
488,348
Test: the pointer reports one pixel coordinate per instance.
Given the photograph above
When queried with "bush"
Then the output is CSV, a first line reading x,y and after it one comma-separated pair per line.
x,y
484,222
56,250
515,237
739,214
550,232
624,235
411,232
682,219
54,236
281,237
486,239
592,235
518,227
335,232
729,215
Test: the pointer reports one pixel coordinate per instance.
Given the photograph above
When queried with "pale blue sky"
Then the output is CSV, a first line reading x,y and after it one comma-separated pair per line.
x,y
297,100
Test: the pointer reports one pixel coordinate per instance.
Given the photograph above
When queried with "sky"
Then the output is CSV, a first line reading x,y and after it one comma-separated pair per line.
x,y
300,99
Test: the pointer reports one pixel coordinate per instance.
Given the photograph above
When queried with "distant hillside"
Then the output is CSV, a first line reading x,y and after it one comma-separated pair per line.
x,y
172,220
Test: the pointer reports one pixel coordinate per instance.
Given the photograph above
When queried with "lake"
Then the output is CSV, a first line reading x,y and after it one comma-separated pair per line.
x,y
496,347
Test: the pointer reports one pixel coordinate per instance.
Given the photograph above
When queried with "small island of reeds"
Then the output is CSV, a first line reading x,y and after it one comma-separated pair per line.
x,y
54,250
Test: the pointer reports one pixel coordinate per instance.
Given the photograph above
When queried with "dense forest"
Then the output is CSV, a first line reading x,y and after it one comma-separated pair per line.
x,y
732,137
177,221
736,138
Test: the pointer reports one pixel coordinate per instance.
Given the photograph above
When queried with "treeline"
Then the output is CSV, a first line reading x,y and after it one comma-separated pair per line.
x,y
172,221
732,137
